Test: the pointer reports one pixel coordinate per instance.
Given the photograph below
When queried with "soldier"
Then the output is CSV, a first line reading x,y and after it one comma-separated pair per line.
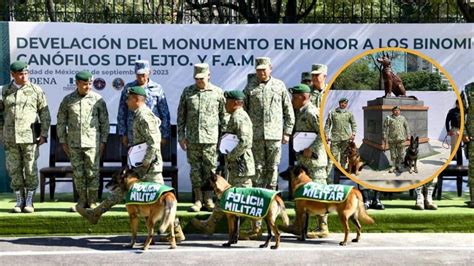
x,y
314,158
453,124
340,129
424,196
269,107
319,74
155,100
83,129
468,137
201,112
23,103
306,79
240,165
395,132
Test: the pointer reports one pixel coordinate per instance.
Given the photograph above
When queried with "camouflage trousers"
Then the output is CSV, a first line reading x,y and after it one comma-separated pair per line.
x,y
316,172
397,152
337,150
470,180
21,165
240,181
267,155
203,161
85,168
150,174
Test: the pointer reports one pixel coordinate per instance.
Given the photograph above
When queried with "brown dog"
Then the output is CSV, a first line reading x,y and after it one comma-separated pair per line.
x,y
164,210
277,207
392,82
352,208
354,161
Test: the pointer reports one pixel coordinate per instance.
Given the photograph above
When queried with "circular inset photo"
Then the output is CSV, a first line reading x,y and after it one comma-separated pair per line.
x,y
392,120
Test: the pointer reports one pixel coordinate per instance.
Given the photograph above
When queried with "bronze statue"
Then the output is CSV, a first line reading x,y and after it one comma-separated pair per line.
x,y
392,82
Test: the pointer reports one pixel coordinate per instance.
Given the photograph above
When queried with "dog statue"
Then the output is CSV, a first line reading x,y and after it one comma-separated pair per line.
x,y
411,155
153,201
236,205
392,82
354,161
347,202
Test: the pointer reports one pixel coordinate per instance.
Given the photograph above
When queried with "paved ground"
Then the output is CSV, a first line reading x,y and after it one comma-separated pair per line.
x,y
374,249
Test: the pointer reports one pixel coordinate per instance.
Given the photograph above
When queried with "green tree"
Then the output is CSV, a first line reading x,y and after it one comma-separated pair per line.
x,y
358,76
423,81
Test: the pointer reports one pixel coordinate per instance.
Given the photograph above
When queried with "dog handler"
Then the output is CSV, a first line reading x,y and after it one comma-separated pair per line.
x,y
146,129
395,132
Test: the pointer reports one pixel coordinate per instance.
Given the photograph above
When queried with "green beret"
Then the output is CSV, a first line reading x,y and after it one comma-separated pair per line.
x,y
300,88
234,95
137,90
396,107
343,100
84,75
18,66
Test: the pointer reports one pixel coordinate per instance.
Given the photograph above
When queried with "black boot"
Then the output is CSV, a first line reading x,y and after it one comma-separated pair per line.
x,y
376,203
366,197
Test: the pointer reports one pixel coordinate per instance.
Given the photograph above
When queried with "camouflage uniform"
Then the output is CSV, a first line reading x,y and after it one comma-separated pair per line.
x,y
317,96
83,124
270,110
155,100
340,125
469,132
307,119
22,107
396,131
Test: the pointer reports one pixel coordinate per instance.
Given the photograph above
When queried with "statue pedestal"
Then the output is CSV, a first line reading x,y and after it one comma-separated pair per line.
x,y
371,150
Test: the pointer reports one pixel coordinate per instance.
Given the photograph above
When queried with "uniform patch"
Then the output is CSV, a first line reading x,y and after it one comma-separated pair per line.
x,y
250,202
321,192
145,192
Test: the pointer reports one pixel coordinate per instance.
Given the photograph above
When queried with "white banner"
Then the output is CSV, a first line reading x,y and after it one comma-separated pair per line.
x,y
56,51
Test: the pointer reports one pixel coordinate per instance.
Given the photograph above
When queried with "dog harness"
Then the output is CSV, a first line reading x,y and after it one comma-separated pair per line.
x,y
145,192
250,202
323,193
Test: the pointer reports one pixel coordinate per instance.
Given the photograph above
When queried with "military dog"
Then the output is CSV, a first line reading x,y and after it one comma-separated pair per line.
x,y
163,210
354,161
352,208
411,155
277,207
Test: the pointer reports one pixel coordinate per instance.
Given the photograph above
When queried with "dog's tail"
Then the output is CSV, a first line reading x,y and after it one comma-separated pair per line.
x,y
169,213
283,213
362,213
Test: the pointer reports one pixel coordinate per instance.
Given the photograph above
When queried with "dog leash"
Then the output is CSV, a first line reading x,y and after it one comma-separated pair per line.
x,y
445,143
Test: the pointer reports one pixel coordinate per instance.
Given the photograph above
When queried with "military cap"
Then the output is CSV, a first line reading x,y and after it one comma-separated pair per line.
x,y
300,88
142,67
18,66
84,75
201,71
137,90
251,76
305,76
234,95
343,99
396,107
262,62
319,69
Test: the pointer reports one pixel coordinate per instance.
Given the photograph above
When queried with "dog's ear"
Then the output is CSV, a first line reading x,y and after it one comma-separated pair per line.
x,y
411,140
214,177
417,139
285,175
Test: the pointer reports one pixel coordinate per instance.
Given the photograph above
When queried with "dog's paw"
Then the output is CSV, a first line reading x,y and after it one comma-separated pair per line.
x,y
263,245
172,247
274,247
301,239
342,243
355,240
131,245
227,245
416,171
145,248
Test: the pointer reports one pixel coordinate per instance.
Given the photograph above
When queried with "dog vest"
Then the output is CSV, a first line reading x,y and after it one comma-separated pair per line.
x,y
250,202
145,192
321,192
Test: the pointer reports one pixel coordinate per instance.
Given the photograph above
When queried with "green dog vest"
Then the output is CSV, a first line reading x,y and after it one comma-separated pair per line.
x,y
321,192
145,192
250,202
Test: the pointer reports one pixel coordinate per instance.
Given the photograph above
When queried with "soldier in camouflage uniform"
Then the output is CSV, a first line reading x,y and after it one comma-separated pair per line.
x,y
155,100
306,79
240,165
201,113
424,196
319,74
468,137
23,103
146,129
395,132
340,129
83,128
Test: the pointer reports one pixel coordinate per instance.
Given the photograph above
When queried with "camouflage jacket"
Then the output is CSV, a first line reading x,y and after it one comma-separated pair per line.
x,y
83,121
201,114
340,125
146,129
317,96
395,128
269,107
240,160
307,120
22,107
155,100
469,121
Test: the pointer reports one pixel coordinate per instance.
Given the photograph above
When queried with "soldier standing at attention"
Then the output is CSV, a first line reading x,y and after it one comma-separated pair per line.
x,y
201,113
155,100
23,103
306,79
395,132
319,73
468,138
83,129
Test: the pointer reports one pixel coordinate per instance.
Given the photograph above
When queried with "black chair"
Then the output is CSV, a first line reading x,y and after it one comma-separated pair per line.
x,y
113,159
169,154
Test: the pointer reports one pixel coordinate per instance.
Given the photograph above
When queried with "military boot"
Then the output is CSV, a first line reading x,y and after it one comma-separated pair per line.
x,y
471,191
428,193
208,201
420,198
323,229
82,202
29,202
92,195
93,215
366,198
197,200
208,226
178,233
376,203
255,233
20,201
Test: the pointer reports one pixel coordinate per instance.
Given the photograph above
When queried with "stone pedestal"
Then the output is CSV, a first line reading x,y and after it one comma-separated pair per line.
x,y
371,150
